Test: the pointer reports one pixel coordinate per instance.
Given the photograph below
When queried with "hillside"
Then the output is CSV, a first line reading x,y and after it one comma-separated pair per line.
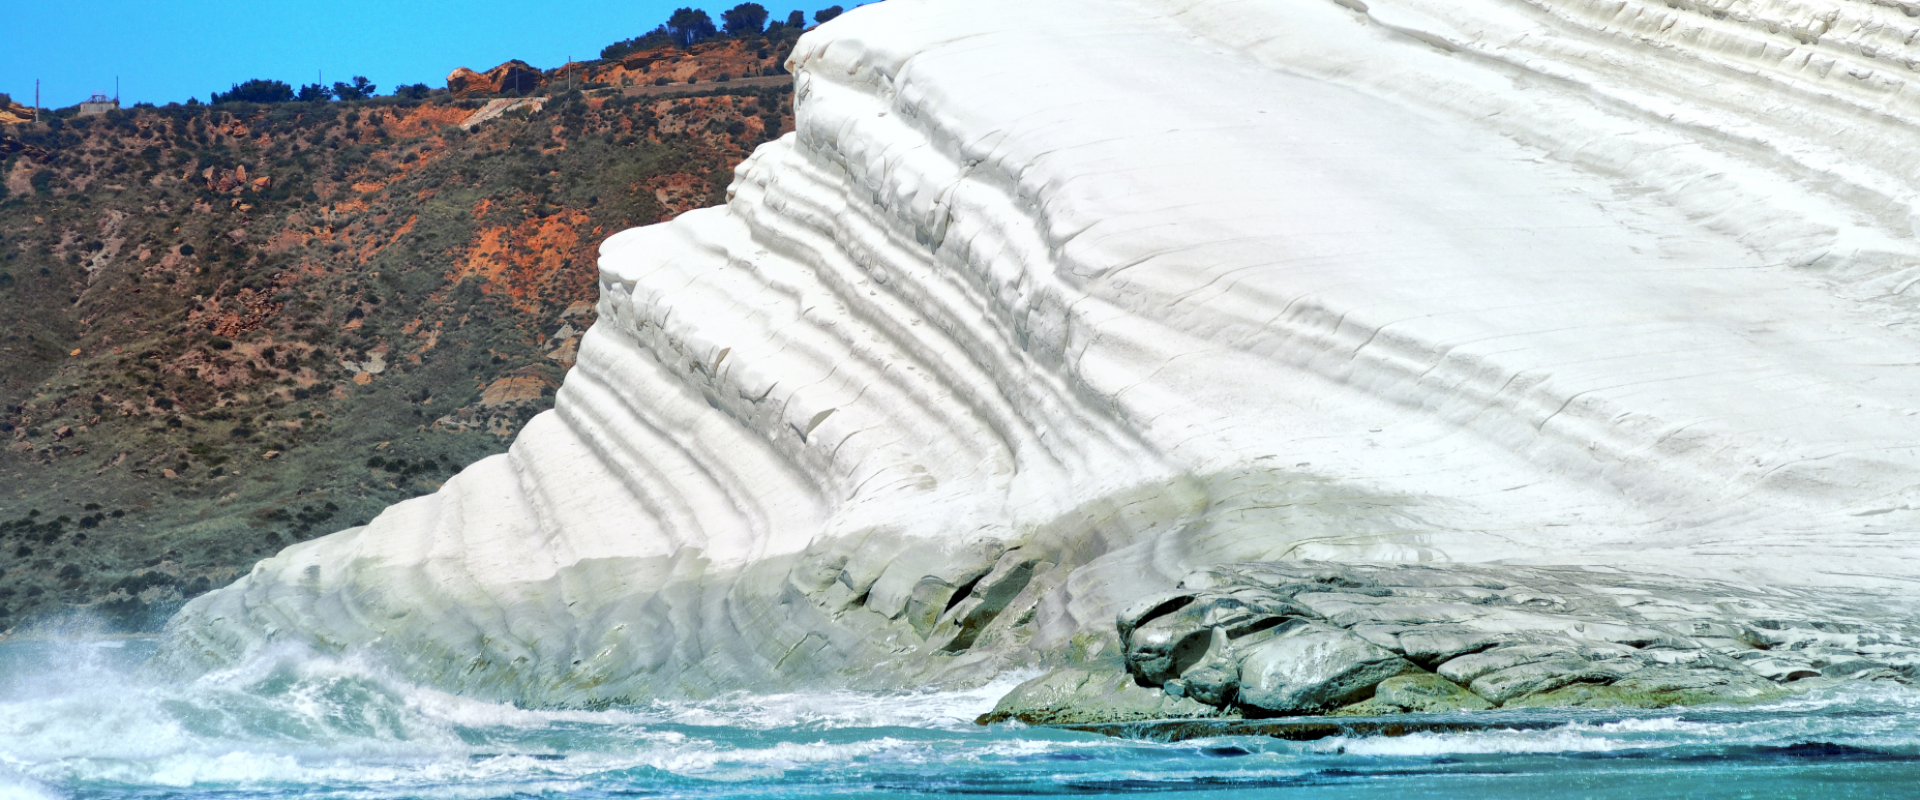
x,y
230,328
12,113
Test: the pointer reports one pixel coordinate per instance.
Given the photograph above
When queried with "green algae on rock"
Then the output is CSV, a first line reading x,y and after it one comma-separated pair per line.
x,y
1256,640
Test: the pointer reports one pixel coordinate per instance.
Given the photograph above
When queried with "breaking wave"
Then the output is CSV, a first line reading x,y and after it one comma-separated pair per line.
x,y
82,720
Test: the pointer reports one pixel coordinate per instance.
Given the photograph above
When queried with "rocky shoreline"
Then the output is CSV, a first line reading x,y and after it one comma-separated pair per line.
x,y
1261,640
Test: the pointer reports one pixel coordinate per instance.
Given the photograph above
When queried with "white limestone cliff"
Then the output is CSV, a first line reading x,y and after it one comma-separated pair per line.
x,y
1046,305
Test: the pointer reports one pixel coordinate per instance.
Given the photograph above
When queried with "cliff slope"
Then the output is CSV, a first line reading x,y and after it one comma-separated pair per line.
x,y
1044,307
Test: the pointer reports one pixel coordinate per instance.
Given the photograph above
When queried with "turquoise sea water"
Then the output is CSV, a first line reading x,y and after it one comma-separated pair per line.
x,y
79,721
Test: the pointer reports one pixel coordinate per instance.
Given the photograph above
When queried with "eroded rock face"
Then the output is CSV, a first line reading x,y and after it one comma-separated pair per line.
x,y
514,75
1272,639
1310,667
1029,319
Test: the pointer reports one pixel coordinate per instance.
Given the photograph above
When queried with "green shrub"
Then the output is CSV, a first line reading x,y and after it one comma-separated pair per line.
x,y
258,90
746,19
658,37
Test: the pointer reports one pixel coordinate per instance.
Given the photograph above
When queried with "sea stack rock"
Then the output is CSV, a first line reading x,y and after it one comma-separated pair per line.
x,y
1230,358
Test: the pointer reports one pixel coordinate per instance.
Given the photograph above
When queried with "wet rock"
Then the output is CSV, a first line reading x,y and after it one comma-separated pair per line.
x,y
1838,662
1347,610
1783,667
1098,693
1468,668
1547,674
1215,678
1427,692
1277,638
1159,653
1437,643
1313,668
1150,608
1386,636
1701,682
1416,692
1167,635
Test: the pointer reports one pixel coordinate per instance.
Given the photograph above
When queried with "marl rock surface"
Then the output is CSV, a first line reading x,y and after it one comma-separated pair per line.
x,y
1253,640
1044,306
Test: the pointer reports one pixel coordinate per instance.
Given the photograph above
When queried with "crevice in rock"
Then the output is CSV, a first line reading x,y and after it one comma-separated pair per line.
x,y
964,591
993,599
1168,607
1268,623
1190,650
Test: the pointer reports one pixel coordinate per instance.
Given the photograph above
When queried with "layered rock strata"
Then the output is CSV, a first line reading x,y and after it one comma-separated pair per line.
x,y
1281,639
1046,305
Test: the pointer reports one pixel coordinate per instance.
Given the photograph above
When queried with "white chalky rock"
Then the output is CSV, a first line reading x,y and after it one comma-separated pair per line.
x,y
1047,303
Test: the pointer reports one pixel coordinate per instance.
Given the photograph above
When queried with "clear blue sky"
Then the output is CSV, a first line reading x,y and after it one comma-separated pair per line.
x,y
169,51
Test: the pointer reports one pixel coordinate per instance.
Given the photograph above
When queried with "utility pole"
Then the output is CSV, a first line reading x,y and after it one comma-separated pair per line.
x,y
36,99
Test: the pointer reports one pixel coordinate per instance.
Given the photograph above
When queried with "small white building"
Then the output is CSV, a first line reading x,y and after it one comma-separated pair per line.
x,y
98,104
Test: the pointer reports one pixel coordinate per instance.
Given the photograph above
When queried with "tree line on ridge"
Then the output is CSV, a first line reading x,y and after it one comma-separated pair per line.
x,y
685,28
